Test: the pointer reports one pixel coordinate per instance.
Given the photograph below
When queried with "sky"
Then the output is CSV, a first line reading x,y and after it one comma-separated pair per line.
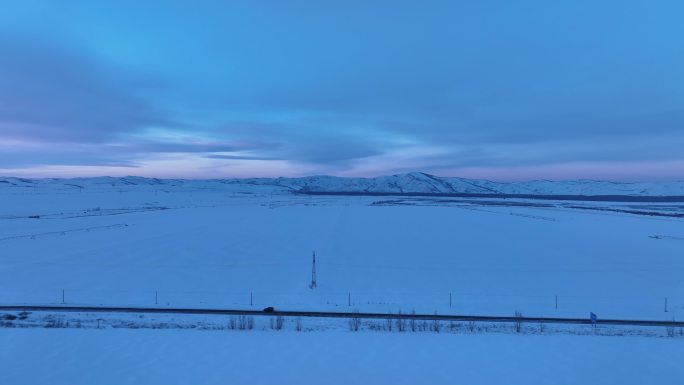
x,y
494,89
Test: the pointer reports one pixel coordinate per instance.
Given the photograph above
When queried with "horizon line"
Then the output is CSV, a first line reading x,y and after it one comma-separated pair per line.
x,y
349,177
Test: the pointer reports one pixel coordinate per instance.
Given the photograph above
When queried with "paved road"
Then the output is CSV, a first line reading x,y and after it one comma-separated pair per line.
x,y
322,314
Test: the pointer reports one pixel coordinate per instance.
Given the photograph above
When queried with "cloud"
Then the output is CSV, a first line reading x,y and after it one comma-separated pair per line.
x,y
447,87
62,106
51,92
30,154
238,157
308,138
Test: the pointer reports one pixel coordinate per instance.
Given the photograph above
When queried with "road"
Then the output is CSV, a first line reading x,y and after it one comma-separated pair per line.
x,y
322,314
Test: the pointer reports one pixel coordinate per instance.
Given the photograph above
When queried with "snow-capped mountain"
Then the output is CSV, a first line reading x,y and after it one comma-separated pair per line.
x,y
418,182
415,182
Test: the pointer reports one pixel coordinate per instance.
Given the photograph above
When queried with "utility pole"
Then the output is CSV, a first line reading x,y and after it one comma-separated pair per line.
x,y
313,272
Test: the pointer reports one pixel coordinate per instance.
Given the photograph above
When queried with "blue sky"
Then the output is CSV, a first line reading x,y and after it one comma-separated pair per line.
x,y
505,90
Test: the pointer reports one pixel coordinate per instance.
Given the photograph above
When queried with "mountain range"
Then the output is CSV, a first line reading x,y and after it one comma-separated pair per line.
x,y
415,182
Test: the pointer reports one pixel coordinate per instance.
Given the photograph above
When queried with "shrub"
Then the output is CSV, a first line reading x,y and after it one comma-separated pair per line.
x,y
245,323
277,322
436,325
355,323
401,323
670,329
518,321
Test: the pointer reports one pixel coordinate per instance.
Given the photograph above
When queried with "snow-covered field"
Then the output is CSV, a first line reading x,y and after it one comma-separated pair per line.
x,y
124,356
204,247
210,244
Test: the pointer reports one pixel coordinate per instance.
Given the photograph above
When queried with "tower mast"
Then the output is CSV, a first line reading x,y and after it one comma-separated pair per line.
x,y
313,272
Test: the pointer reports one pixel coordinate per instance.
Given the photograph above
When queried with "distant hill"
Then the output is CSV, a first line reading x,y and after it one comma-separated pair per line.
x,y
415,182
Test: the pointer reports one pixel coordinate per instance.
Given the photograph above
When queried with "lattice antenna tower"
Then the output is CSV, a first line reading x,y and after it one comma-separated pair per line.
x,y
313,272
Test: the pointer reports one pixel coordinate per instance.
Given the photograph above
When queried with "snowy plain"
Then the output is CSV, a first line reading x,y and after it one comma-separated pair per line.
x,y
124,356
119,241
203,246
